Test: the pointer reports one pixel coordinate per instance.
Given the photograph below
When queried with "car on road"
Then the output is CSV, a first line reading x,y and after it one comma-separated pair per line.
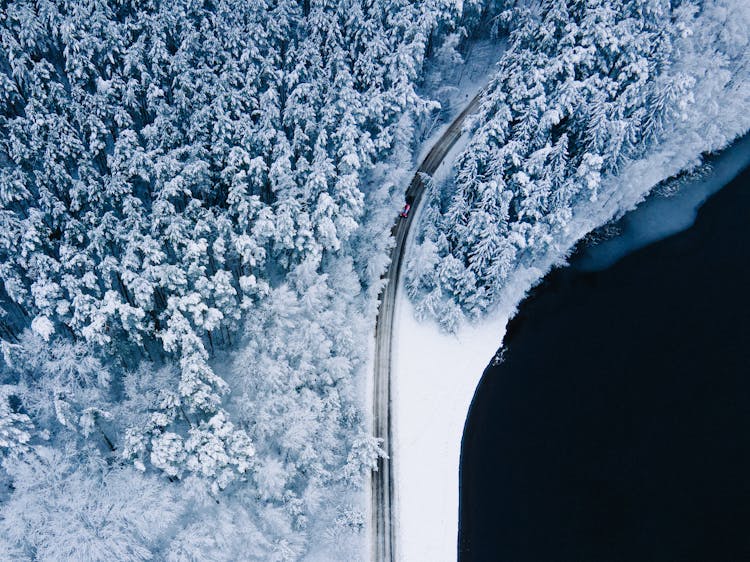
x,y
407,207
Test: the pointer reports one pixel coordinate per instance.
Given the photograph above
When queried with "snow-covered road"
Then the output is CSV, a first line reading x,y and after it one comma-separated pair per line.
x,y
383,496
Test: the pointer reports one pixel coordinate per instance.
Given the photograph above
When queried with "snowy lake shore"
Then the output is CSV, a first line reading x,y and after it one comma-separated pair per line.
x,y
614,428
435,377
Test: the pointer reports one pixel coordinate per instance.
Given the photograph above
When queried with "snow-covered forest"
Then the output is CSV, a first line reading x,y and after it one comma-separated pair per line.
x,y
195,201
192,236
592,104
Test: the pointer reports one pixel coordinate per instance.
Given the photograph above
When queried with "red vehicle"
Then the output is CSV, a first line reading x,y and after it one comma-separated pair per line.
x,y
405,212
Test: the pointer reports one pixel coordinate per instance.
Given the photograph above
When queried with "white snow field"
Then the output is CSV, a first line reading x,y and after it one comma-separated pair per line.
x,y
435,378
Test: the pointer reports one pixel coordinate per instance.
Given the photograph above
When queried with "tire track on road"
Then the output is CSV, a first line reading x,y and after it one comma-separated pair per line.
x,y
383,497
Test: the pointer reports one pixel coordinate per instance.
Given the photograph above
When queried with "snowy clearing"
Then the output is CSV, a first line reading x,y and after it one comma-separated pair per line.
x,y
434,377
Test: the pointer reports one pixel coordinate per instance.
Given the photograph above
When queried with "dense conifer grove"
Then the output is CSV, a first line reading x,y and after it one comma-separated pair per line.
x,y
187,268
584,90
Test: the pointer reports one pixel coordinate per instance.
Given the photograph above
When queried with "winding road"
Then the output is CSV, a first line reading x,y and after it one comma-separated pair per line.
x,y
383,497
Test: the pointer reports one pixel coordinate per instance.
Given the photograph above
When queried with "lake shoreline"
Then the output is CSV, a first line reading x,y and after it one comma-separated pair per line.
x,y
573,310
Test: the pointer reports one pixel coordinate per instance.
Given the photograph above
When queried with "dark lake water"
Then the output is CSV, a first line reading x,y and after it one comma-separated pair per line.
x,y
618,427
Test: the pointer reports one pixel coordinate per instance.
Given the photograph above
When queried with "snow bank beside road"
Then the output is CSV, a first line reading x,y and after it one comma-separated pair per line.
x,y
434,376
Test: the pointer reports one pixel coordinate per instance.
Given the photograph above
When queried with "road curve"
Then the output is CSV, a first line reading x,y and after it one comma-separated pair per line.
x,y
383,522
